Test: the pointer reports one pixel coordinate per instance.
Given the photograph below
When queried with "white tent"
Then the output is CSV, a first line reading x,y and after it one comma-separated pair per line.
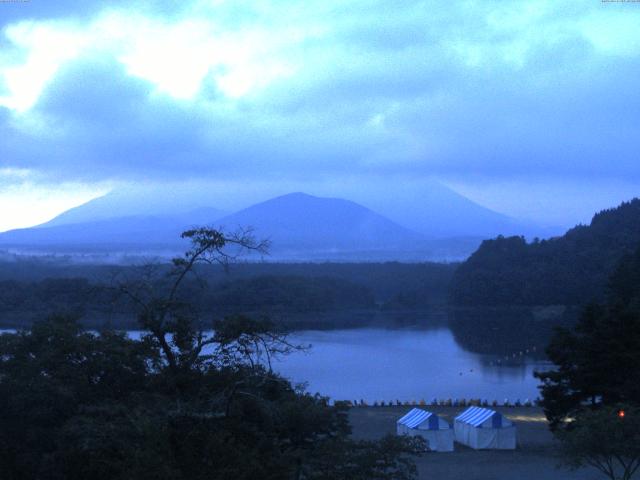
x,y
482,428
435,431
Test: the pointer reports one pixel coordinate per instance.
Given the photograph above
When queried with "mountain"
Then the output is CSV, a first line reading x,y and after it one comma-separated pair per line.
x,y
437,211
138,202
127,232
569,270
301,225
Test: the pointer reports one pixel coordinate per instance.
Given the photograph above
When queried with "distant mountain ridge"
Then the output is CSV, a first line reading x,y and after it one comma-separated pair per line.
x,y
569,270
126,231
136,203
298,221
438,211
301,227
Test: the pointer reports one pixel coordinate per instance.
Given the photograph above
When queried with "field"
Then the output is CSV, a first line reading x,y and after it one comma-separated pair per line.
x,y
534,459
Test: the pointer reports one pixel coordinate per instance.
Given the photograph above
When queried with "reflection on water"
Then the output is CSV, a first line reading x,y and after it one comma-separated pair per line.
x,y
508,330
379,364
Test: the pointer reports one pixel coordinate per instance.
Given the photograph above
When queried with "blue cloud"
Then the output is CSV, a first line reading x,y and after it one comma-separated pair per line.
x,y
418,90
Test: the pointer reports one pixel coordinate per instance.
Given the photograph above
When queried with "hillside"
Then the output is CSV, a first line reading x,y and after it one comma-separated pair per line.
x,y
140,202
437,211
569,270
298,222
129,231
126,224
299,226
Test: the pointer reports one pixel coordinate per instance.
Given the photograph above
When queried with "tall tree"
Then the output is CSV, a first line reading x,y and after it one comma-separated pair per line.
x,y
597,362
607,439
177,404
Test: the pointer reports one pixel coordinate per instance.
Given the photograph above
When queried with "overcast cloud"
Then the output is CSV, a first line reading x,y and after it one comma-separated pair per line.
x,y
502,100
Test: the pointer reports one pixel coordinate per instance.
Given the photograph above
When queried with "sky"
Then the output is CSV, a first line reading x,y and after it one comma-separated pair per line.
x,y
531,108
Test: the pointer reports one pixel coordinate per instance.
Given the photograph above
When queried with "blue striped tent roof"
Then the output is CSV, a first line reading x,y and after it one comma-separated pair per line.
x,y
476,416
417,416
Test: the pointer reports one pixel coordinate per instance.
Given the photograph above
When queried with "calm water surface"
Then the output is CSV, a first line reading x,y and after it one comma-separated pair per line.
x,y
381,364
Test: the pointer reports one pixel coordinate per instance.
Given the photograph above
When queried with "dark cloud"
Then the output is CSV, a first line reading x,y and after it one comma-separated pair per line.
x,y
412,91
110,125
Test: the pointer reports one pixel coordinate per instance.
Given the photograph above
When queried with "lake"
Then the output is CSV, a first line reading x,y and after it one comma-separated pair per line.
x,y
385,364
381,364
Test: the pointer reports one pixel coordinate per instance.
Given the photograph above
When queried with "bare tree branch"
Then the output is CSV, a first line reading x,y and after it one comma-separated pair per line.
x,y
159,309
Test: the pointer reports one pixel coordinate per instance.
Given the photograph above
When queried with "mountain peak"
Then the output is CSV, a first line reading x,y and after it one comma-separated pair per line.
x,y
306,197
300,226
298,221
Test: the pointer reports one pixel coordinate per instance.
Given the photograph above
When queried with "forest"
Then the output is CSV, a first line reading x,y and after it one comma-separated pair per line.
x,y
325,295
538,285
177,404
569,270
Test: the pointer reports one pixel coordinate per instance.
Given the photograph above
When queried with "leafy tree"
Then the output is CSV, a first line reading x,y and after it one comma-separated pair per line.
x,y
178,403
597,372
569,270
607,439
295,294
364,460
597,362
50,374
167,317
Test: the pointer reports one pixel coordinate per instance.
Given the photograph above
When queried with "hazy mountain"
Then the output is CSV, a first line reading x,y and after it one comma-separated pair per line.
x,y
139,202
300,227
298,223
436,210
130,232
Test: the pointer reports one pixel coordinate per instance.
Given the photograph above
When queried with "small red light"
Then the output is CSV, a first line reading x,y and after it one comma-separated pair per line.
x,y
621,413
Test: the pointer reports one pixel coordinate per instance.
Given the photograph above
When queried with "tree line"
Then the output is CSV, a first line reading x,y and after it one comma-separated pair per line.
x,y
97,302
179,403
568,270
592,397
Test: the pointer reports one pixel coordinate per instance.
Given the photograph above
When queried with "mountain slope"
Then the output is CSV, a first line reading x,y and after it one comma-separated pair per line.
x,y
299,222
135,231
438,211
135,202
300,227
568,270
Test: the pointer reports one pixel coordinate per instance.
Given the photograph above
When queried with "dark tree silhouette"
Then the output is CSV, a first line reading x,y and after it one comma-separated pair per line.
x,y
177,404
607,439
592,398
597,362
569,270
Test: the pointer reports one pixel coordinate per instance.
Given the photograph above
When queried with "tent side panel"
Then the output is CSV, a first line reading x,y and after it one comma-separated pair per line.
x,y
464,434
487,438
445,440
